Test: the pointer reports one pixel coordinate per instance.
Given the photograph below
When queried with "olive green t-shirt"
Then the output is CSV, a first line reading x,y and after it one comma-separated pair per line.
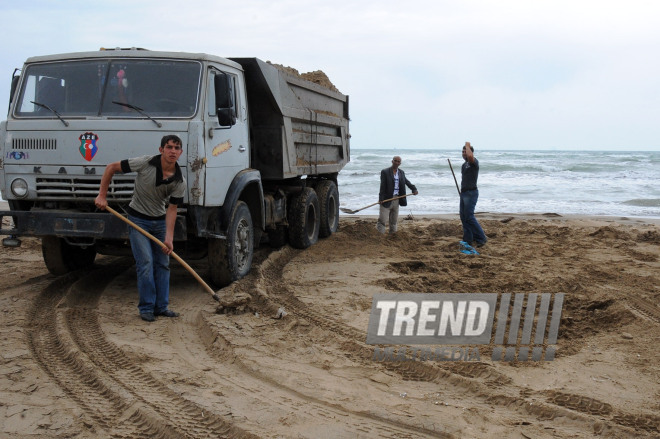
x,y
152,193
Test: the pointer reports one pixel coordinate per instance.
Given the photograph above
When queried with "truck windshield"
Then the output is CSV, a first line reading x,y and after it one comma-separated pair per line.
x,y
161,88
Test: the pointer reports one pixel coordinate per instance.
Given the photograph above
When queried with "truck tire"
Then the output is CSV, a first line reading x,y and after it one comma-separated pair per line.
x,y
230,259
61,257
304,219
329,207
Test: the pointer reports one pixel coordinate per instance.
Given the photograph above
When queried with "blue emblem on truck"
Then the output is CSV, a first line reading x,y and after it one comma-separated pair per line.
x,y
17,155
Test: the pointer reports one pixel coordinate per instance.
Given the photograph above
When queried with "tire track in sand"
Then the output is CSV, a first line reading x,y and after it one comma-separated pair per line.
x,y
269,391
643,308
270,292
124,401
121,399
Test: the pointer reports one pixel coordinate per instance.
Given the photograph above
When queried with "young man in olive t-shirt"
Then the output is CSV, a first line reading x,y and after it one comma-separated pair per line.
x,y
159,188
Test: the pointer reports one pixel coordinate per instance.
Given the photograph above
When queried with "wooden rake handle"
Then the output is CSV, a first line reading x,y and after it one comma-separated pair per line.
x,y
389,199
380,202
159,242
452,173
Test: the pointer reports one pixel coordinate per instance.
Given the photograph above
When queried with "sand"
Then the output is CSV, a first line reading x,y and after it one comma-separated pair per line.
x,y
77,361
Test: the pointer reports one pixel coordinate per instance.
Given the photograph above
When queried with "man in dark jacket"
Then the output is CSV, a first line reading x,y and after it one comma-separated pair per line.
x,y
393,183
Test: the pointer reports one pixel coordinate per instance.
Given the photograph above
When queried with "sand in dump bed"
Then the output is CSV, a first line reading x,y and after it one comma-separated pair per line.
x,y
317,76
76,360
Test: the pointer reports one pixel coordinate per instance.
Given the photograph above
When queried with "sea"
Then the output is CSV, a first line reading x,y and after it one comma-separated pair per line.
x,y
598,183
608,183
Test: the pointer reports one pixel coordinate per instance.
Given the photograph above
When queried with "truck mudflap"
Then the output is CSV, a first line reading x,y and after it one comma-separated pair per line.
x,y
72,224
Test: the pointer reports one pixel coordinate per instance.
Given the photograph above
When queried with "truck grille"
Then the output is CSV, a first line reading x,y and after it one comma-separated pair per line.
x,y
81,188
33,144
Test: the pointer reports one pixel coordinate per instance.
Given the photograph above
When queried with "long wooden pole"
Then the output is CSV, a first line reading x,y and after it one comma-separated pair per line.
x,y
174,255
455,181
343,209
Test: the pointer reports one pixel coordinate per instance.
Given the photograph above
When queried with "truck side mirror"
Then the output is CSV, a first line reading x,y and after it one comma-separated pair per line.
x,y
224,99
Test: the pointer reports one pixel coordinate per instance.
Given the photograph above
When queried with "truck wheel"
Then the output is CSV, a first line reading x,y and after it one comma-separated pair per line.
x,y
230,259
277,238
329,207
304,219
61,257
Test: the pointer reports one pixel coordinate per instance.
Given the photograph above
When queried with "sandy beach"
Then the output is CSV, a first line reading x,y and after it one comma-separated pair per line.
x,y
287,357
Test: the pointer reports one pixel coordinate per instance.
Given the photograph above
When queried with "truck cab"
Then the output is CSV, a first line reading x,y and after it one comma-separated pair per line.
x,y
70,115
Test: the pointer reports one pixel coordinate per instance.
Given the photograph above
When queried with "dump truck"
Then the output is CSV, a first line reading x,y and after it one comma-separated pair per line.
x,y
263,147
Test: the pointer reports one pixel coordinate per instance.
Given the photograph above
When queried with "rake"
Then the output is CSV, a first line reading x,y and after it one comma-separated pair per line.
x,y
345,210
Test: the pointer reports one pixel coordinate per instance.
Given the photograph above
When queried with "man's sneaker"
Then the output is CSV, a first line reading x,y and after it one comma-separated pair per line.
x,y
467,248
148,316
465,245
167,313
481,244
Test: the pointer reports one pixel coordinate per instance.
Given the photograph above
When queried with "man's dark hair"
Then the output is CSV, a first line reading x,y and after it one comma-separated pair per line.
x,y
471,147
173,137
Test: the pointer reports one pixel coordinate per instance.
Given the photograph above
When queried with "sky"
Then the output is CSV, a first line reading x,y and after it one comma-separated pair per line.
x,y
506,74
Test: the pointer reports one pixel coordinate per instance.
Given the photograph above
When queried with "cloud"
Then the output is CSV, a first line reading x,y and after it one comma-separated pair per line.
x,y
515,74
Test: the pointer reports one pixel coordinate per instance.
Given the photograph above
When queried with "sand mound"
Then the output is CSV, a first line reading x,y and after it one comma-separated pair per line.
x,y
284,353
317,76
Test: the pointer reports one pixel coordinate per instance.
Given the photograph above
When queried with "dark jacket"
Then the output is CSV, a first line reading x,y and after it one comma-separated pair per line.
x,y
387,186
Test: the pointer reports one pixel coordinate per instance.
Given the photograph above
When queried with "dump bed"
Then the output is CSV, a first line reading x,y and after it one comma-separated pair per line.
x,y
297,127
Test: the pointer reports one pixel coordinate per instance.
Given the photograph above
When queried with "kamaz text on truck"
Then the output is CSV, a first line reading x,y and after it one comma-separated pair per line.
x,y
262,152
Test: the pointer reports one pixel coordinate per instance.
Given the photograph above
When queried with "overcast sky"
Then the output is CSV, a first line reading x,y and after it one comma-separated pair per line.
x,y
528,74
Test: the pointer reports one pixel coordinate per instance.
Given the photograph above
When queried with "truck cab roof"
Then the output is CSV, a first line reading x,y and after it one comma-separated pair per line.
x,y
134,52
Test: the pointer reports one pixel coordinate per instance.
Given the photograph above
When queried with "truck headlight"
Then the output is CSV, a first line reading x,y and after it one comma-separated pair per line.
x,y
19,188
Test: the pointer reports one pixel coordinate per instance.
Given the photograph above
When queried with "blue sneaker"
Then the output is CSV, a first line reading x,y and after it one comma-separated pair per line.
x,y
468,249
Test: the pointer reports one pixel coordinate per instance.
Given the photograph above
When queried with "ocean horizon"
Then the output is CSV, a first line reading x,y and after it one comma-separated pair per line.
x,y
598,183
563,182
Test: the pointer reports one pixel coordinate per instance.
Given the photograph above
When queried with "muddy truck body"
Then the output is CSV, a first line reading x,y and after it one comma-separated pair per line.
x,y
262,151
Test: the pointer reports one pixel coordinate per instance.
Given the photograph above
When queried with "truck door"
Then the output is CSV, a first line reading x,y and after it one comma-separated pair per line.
x,y
226,134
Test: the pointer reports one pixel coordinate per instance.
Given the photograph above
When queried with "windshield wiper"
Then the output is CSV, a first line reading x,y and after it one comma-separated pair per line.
x,y
66,124
139,110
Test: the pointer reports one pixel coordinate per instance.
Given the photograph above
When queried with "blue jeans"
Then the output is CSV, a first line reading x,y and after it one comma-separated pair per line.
x,y
151,265
471,228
